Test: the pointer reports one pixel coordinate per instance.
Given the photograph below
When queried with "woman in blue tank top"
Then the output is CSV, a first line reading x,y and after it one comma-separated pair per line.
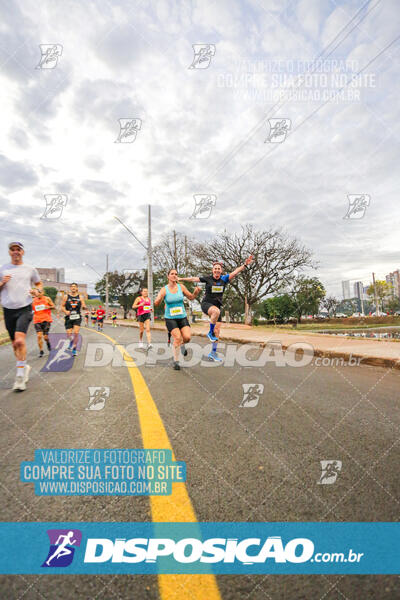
x,y
175,313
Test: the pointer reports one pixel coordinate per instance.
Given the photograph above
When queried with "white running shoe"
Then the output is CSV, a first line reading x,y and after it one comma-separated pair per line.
x,y
27,370
149,346
19,384
141,345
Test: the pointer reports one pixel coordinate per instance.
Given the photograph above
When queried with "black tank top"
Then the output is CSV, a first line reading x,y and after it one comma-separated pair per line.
x,y
73,303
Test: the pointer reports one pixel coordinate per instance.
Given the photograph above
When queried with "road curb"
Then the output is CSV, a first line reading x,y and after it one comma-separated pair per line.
x,y
375,361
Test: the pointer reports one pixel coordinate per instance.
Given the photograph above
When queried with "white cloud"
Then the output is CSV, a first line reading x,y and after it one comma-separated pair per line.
x,y
121,61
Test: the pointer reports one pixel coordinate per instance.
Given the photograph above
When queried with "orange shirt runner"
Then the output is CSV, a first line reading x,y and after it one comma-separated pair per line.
x,y
41,310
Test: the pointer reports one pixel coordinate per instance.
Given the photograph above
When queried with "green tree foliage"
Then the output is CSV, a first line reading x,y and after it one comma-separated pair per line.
x,y
51,292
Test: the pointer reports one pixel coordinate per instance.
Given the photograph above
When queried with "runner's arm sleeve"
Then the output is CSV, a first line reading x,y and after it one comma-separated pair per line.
x,y
203,279
225,278
35,277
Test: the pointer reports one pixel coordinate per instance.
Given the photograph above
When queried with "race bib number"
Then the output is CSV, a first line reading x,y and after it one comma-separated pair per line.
x,y
217,289
177,310
40,307
74,316
147,308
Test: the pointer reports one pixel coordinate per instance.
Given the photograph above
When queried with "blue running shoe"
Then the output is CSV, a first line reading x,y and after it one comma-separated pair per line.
x,y
74,352
212,337
214,357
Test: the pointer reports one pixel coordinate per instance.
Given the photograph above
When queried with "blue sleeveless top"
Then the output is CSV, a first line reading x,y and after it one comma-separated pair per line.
x,y
174,307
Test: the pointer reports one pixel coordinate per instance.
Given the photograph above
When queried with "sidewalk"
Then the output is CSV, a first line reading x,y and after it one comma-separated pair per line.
x,y
370,351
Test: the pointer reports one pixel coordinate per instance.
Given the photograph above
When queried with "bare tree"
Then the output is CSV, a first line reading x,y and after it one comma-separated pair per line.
x,y
277,258
174,251
330,303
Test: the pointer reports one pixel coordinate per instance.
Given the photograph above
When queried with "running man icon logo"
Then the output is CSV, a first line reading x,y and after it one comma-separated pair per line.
x,y
203,54
55,204
128,129
203,205
62,547
97,397
330,470
50,55
251,394
278,129
60,358
358,204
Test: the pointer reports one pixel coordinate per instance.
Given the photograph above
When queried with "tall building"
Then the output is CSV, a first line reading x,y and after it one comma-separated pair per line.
x,y
53,274
358,290
52,277
394,279
346,289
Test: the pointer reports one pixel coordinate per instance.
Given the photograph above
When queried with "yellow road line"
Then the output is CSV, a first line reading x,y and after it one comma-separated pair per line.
x,y
174,508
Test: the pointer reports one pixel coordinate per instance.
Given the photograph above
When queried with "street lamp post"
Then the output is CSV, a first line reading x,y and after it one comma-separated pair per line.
x,y
149,252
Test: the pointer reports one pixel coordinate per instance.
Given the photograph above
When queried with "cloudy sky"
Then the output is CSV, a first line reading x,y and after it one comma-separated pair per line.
x,y
202,130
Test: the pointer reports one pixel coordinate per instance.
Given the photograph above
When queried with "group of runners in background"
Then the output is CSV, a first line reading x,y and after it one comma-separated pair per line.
x,y
23,299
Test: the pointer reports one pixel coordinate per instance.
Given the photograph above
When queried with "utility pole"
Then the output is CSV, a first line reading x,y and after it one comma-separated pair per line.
x,y
186,273
149,252
106,285
376,296
150,264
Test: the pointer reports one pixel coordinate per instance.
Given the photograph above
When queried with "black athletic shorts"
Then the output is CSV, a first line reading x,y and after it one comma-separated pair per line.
x,y
17,319
44,327
206,305
176,323
142,318
70,324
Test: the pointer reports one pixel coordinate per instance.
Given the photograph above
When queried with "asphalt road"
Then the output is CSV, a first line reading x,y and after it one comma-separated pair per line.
x,y
244,463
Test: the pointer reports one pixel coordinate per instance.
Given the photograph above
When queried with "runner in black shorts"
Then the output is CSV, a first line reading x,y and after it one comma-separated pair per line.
x,y
175,313
211,304
42,319
143,306
72,305
16,291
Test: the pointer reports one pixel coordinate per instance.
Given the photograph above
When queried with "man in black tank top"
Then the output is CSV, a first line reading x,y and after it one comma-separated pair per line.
x,y
72,305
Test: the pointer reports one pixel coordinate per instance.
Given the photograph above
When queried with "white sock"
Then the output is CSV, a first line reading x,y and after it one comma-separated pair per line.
x,y
21,367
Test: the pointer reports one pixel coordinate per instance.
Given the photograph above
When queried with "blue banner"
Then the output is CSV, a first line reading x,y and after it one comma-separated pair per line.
x,y
218,548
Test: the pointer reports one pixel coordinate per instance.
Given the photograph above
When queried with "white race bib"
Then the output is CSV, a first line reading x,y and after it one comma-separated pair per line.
x,y
177,310
74,316
147,308
217,289
40,307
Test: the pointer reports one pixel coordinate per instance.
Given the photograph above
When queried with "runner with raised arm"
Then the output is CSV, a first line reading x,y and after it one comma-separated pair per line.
x,y
211,304
175,313
16,281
